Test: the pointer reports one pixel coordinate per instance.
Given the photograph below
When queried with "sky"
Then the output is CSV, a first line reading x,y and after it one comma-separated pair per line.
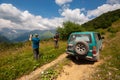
x,y
50,14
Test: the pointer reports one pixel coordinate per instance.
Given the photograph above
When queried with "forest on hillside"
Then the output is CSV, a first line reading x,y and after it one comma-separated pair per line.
x,y
104,21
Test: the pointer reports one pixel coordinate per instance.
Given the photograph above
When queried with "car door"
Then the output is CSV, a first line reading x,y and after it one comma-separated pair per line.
x,y
98,41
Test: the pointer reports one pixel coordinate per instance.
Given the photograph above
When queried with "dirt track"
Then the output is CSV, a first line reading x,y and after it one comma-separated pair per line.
x,y
77,70
81,70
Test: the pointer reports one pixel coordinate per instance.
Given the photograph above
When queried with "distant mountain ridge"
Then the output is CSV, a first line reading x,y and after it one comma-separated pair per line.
x,y
16,35
11,33
43,34
3,39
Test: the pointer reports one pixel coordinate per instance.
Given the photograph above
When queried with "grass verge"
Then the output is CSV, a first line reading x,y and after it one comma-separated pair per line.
x,y
110,69
14,64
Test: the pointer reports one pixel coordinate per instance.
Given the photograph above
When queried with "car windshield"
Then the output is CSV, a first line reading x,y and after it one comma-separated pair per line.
x,y
80,37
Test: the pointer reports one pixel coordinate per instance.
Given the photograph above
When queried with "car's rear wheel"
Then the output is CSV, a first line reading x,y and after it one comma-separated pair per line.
x,y
81,48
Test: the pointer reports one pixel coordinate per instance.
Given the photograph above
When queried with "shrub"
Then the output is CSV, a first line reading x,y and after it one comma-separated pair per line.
x,y
112,30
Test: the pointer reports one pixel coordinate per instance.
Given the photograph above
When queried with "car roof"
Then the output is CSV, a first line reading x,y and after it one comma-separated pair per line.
x,y
83,32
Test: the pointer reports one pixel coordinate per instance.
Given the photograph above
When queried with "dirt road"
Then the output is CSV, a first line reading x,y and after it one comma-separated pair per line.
x,y
81,70
77,70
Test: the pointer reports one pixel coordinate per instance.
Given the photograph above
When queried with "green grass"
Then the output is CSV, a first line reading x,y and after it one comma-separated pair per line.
x,y
14,64
110,69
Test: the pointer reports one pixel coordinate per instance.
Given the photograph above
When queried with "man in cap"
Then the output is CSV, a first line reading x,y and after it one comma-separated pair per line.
x,y
56,37
35,45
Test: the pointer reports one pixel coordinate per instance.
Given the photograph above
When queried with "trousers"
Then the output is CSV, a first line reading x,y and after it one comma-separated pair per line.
x,y
36,53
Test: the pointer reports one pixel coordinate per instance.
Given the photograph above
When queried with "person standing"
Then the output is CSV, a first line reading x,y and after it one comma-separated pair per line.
x,y
56,38
35,45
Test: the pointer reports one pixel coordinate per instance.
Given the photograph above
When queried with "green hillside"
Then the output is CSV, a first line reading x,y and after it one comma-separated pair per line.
x,y
104,21
47,35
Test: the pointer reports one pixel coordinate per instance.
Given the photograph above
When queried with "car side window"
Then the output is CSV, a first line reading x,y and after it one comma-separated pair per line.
x,y
96,37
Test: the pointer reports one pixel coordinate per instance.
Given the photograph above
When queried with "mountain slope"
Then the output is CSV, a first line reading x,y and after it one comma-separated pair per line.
x,y
104,21
47,35
4,39
12,33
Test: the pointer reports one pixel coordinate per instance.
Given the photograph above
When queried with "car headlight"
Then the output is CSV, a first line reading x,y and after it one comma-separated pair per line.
x,y
70,44
70,47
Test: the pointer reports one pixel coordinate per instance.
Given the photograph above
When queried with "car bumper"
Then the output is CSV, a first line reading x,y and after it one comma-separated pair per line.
x,y
90,58
68,52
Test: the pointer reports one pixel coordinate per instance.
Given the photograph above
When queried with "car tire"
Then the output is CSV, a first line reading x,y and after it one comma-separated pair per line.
x,y
81,48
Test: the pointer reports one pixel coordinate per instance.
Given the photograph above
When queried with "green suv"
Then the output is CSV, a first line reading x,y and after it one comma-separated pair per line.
x,y
85,45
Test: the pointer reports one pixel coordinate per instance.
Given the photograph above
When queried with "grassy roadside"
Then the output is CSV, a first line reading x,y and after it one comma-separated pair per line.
x,y
110,69
14,64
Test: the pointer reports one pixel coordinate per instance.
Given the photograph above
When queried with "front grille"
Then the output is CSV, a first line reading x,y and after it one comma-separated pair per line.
x,y
70,47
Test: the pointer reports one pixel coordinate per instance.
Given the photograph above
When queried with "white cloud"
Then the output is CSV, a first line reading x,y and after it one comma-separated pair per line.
x,y
77,15
11,17
61,2
74,15
113,1
102,9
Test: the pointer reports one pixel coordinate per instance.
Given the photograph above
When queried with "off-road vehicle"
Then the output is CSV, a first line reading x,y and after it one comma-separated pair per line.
x,y
85,45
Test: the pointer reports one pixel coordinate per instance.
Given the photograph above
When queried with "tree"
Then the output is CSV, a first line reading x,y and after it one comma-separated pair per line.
x,y
68,28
